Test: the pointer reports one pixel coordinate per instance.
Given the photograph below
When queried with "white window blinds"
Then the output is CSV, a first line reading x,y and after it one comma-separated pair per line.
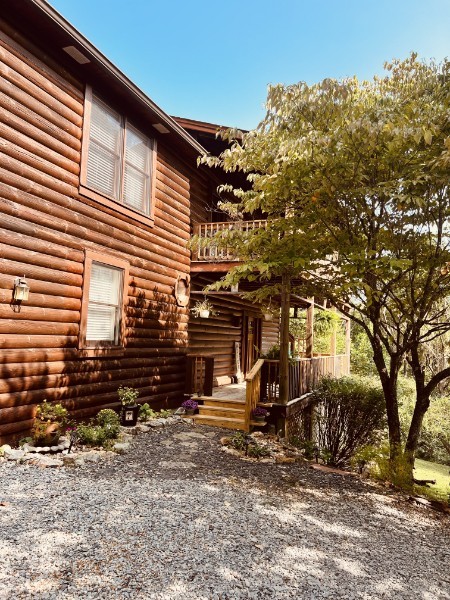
x,y
105,147
105,302
119,159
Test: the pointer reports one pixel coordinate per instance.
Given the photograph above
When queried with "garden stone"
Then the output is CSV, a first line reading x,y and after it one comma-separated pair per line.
x,y
46,461
140,428
156,423
71,460
92,456
14,454
121,448
54,448
4,448
125,438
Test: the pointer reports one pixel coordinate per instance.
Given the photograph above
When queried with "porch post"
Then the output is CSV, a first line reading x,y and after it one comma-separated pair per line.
x,y
309,344
284,337
333,344
347,344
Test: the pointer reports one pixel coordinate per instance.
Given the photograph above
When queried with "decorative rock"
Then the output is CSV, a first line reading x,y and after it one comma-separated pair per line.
x,y
44,449
46,461
54,448
125,438
156,423
73,460
142,428
92,456
4,448
14,454
121,448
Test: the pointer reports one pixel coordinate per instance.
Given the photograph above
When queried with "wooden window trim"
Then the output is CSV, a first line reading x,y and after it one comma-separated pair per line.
x,y
104,199
109,261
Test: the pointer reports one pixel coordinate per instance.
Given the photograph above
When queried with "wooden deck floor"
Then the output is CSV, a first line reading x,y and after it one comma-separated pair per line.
x,y
233,391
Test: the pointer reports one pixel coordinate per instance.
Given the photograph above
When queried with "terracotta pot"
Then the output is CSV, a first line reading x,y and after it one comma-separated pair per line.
x,y
48,436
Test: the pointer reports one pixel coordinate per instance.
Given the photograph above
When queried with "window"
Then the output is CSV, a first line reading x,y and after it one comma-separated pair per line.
x,y
105,288
118,161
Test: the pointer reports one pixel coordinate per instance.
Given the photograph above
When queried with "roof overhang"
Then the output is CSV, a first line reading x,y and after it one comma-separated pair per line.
x,y
51,32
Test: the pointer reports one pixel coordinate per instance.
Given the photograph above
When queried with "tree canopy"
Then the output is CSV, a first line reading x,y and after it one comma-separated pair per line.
x,y
353,179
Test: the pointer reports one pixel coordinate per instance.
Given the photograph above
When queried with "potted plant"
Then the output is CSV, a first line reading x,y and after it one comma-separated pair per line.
x,y
259,414
130,410
203,309
190,406
48,423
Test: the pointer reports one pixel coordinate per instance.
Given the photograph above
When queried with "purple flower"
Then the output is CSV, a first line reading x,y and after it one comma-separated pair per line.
x,y
260,412
190,404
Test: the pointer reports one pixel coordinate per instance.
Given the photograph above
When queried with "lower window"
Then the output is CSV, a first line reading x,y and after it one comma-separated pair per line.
x,y
104,291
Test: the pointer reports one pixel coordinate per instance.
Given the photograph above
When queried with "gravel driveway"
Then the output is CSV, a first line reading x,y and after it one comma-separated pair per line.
x,y
179,519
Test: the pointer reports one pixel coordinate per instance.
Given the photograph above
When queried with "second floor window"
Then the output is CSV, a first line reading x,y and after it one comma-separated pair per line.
x,y
119,160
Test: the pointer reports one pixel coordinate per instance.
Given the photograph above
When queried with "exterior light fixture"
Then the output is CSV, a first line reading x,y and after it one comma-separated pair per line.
x,y
21,289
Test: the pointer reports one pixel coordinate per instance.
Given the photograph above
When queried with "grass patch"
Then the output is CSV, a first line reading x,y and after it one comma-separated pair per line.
x,y
425,469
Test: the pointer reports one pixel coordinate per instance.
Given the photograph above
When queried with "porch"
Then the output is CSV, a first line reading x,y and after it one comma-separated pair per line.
x,y
231,406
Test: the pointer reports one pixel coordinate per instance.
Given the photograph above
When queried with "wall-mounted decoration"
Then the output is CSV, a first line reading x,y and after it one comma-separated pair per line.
x,y
182,286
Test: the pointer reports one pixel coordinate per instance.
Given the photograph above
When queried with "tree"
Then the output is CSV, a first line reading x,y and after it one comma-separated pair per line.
x,y
353,178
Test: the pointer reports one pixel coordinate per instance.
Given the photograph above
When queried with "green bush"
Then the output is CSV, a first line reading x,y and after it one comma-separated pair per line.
x,y
92,435
350,414
109,420
99,431
146,413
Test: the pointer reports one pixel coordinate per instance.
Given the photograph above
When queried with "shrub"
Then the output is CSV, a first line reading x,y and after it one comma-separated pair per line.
x,y
257,451
109,420
350,414
92,435
146,413
127,395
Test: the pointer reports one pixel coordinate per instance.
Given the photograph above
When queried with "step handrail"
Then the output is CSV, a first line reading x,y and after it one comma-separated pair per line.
x,y
252,391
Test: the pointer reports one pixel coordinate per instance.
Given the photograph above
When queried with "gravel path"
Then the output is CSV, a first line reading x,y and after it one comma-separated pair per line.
x,y
179,519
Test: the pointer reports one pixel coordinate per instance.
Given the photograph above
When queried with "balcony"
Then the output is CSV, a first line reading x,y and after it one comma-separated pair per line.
x,y
208,251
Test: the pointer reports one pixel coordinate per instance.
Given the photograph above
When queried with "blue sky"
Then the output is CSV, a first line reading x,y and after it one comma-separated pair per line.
x,y
212,60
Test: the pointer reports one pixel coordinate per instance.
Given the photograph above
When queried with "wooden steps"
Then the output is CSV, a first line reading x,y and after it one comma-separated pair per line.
x,y
221,412
220,422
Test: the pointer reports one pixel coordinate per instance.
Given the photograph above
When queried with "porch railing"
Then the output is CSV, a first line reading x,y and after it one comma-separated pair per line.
x,y
253,391
208,249
304,375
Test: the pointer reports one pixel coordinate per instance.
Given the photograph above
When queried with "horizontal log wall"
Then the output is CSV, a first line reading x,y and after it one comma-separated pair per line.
x,y
270,334
217,335
45,228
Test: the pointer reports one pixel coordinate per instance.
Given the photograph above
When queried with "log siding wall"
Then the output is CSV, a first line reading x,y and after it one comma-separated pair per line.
x,y
46,228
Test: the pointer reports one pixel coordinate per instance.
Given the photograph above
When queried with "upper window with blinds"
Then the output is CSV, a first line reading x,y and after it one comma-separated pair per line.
x,y
118,160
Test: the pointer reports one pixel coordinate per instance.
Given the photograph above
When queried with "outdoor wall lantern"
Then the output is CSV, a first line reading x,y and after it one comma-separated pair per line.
x,y
21,289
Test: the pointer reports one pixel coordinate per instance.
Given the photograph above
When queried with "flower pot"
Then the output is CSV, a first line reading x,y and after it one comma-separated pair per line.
x,y
189,411
129,415
48,436
268,316
259,419
204,314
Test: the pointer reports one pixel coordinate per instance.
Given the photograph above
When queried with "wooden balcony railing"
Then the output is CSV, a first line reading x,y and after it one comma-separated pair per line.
x,y
208,248
304,375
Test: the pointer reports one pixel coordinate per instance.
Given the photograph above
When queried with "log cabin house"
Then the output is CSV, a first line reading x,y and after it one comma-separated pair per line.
x,y
100,192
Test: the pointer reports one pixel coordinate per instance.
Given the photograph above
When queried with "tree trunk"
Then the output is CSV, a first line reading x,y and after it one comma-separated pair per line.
x,y
284,338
